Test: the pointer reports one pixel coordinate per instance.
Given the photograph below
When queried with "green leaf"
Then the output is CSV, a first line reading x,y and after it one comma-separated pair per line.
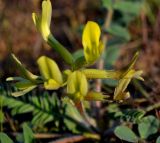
x,y
22,92
127,18
27,134
126,134
149,125
1,117
24,84
132,115
4,138
78,54
19,138
71,111
119,31
111,55
40,106
158,140
107,3
110,82
128,7
17,78
25,109
24,72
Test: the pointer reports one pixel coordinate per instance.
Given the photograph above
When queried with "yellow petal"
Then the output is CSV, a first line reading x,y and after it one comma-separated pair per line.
x,y
46,18
71,83
77,85
46,12
90,41
49,69
51,84
83,83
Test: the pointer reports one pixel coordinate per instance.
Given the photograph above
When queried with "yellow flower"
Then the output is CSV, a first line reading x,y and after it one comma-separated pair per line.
x,y
43,22
91,42
77,86
50,73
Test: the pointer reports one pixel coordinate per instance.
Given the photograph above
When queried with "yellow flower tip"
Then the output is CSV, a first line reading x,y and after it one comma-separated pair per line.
x,y
95,96
36,21
138,75
122,96
90,40
46,18
34,17
42,22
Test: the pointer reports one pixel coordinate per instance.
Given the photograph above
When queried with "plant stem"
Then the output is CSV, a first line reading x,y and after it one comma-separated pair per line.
x,y
100,64
61,50
1,108
153,107
141,89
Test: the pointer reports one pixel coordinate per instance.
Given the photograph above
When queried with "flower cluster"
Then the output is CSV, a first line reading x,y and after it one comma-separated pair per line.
x,y
76,78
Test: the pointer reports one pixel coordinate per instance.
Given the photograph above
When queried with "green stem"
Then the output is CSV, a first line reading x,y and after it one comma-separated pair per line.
x,y
61,50
1,107
153,107
141,89
102,74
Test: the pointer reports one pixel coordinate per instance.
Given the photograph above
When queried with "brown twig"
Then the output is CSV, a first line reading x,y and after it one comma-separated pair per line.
x,y
76,138
139,87
100,64
70,139
157,26
11,123
153,107
41,135
144,28
63,138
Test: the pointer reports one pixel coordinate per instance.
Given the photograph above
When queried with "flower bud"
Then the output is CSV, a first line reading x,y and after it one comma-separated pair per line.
x,y
43,22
